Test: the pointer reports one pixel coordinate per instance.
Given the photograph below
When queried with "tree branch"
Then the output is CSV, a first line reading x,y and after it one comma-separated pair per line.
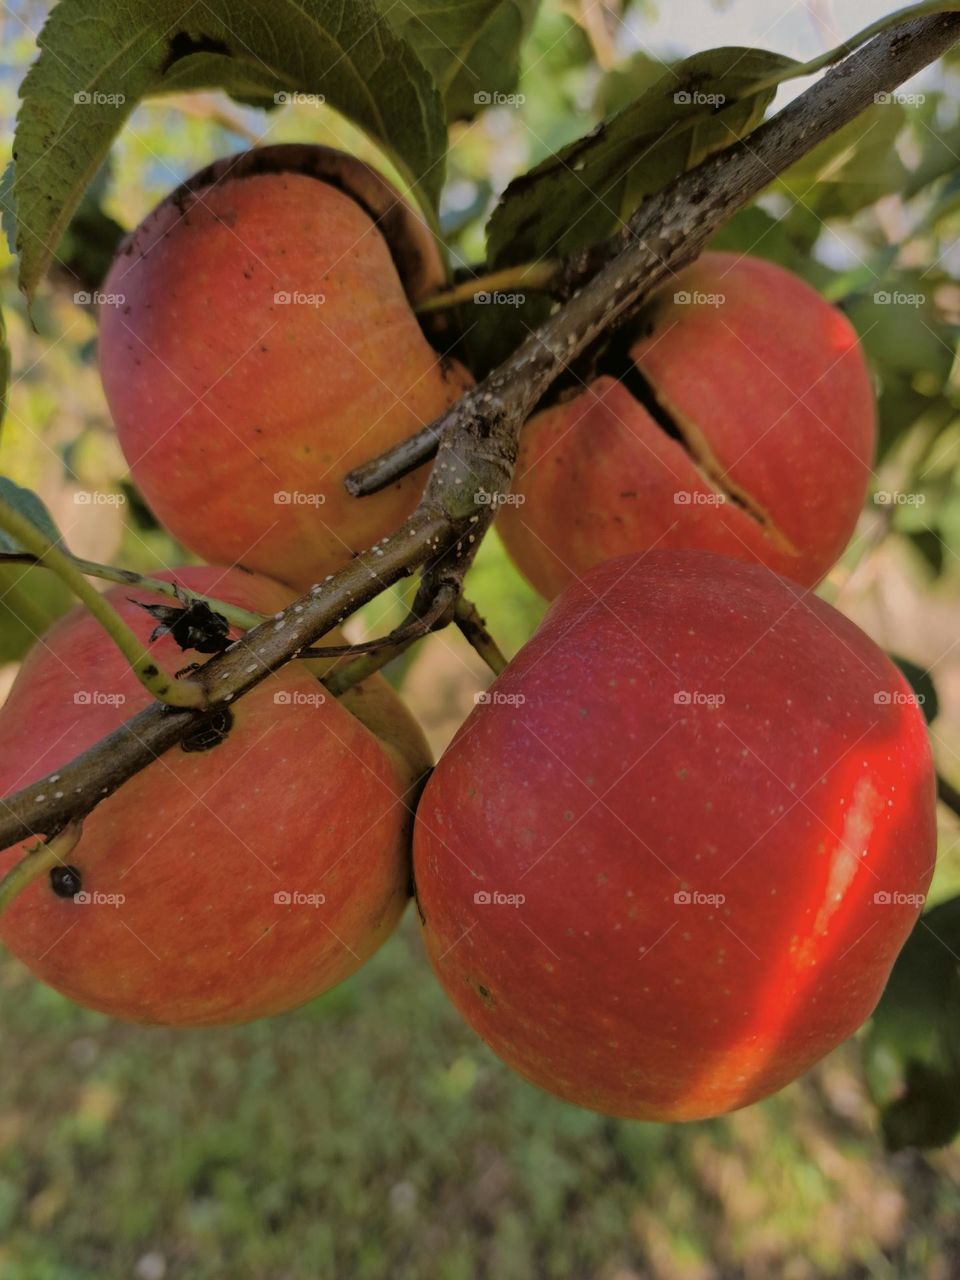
x,y
670,229
479,435
473,628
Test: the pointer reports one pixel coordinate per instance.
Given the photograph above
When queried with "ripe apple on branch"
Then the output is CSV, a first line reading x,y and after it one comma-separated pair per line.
x,y
669,864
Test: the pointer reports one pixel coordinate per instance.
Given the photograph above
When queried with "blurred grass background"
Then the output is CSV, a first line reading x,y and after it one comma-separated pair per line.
x,y
371,1134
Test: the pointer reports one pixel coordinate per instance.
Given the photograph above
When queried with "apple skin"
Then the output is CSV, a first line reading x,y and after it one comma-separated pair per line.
x,y
224,398
583,785
772,397
299,796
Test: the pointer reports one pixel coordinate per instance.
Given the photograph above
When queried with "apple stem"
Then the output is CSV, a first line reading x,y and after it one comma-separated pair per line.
x,y
163,687
236,616
42,856
370,657
350,674
537,276
474,630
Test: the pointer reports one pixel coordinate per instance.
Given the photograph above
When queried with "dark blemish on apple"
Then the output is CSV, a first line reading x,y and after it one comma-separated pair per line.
x,y
66,881
212,730
151,671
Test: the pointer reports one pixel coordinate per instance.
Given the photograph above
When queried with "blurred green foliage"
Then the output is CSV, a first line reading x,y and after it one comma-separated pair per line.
x,y
372,1135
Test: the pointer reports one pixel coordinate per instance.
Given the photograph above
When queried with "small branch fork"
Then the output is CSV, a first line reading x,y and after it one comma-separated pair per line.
x,y
475,442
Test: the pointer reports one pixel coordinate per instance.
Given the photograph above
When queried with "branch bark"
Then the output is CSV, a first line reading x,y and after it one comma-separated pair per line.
x,y
476,441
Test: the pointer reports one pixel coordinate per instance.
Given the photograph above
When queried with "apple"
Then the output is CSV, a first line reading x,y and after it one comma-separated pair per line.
x,y
739,418
668,862
257,342
228,881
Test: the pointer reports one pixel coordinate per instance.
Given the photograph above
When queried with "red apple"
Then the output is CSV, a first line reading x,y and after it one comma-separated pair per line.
x,y
218,885
752,435
668,863
257,342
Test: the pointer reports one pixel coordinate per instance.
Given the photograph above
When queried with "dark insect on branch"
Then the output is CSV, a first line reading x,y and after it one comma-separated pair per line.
x,y
193,625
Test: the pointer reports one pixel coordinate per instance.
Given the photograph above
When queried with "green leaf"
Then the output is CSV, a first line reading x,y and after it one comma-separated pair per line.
x,y
585,191
99,58
494,331
4,368
938,157
31,599
471,48
758,233
907,342
8,213
32,507
90,241
623,84
901,326
912,1050
921,682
